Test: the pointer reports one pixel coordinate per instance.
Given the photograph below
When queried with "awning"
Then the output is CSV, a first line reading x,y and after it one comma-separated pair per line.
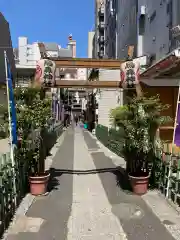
x,y
168,67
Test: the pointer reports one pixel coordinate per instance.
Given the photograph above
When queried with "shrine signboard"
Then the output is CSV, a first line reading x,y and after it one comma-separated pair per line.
x,y
45,72
130,74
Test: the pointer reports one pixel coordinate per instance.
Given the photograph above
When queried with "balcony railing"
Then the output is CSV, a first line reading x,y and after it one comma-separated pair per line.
x,y
101,11
101,54
101,25
101,39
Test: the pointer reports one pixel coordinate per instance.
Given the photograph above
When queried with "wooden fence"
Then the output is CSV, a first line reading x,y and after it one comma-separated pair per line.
x,y
166,166
14,181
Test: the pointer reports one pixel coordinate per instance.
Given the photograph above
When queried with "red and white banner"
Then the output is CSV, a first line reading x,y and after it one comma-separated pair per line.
x,y
45,72
130,74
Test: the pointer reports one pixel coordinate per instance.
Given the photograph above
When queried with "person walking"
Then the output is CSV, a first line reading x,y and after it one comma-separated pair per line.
x,y
76,119
66,115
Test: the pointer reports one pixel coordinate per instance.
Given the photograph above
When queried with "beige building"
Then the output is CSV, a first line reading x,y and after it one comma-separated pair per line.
x,y
108,98
90,44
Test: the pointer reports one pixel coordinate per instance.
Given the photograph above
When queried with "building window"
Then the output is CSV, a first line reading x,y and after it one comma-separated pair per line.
x,y
29,51
142,25
169,7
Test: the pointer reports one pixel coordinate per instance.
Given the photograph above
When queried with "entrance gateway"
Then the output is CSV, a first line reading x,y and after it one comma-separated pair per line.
x,y
160,78
130,72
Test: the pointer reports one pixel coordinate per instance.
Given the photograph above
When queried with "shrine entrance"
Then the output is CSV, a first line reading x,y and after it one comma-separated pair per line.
x,y
153,79
128,79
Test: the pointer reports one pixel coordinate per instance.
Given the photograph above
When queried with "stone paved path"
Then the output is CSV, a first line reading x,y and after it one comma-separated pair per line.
x,y
89,200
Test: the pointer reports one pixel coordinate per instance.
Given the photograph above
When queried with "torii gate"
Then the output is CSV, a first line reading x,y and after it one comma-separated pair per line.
x,y
129,71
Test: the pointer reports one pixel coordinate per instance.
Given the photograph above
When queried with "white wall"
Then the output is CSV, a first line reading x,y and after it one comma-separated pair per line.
x,y
108,98
81,74
29,54
90,44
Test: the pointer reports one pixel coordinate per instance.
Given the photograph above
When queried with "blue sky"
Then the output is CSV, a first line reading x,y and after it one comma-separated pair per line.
x,y
50,20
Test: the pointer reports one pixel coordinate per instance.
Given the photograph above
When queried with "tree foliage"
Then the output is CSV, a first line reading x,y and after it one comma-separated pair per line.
x,y
33,113
140,120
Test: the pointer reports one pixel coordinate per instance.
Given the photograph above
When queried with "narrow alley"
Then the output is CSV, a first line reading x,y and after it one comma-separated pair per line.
x,y
89,200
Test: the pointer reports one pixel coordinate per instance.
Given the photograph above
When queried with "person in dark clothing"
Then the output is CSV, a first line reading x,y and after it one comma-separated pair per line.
x,y
65,120
76,119
66,116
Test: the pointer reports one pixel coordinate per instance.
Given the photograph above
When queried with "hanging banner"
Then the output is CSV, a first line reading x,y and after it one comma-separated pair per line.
x,y
130,74
45,72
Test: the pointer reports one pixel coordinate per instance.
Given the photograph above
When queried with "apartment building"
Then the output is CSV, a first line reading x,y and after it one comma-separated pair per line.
x,y
156,21
99,29
110,31
27,54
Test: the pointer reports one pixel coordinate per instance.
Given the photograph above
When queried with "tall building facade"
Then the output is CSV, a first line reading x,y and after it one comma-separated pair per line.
x,y
91,44
147,25
156,21
99,29
110,32
5,45
126,27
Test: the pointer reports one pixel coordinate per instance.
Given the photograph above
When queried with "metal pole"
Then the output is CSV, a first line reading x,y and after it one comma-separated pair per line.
x,y
10,128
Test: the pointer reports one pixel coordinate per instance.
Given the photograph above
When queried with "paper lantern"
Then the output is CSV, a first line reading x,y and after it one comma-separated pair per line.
x,y
130,72
45,72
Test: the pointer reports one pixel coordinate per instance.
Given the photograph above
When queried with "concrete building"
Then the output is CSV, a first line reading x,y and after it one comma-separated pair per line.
x,y
126,27
90,44
108,98
27,54
99,29
5,45
110,31
156,20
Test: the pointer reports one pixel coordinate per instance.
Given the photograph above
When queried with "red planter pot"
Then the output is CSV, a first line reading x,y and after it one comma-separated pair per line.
x,y
38,184
139,184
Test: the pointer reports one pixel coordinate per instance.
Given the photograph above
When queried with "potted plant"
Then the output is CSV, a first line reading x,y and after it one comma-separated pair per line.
x,y
140,119
39,113
33,113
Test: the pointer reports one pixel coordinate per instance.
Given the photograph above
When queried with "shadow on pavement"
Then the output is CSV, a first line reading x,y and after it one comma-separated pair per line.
x,y
55,208
54,180
59,172
56,173
122,179
91,143
134,215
